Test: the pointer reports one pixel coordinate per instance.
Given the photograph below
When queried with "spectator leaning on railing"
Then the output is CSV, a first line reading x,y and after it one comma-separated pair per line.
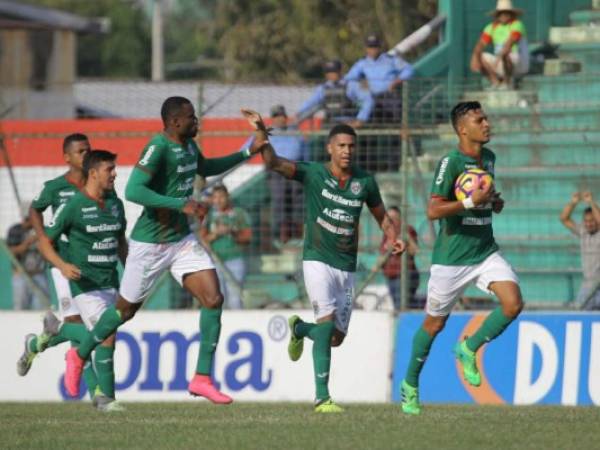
x,y
511,53
22,242
342,101
589,238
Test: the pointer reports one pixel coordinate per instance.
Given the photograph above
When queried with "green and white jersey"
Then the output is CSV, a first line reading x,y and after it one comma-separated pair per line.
x,y
94,231
55,192
332,213
173,168
466,238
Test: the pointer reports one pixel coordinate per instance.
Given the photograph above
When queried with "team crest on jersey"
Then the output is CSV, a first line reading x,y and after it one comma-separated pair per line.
x,y
355,187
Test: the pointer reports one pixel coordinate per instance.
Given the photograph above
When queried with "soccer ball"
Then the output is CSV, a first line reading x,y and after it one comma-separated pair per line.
x,y
464,185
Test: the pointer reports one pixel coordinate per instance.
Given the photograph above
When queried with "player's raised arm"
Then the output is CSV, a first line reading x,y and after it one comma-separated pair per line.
x,y
387,226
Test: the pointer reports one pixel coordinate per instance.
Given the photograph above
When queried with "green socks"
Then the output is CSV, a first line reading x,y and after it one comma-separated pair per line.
x,y
90,378
321,334
420,349
493,325
74,332
303,329
210,330
108,323
104,364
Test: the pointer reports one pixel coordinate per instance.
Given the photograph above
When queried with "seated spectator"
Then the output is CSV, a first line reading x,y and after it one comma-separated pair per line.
x,y
392,269
383,74
21,241
509,39
342,101
227,231
589,238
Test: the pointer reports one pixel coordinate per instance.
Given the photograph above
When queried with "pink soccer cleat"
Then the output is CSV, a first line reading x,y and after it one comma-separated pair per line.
x,y
202,386
73,372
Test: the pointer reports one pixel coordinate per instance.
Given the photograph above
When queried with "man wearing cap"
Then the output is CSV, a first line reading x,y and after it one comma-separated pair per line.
x,y
383,73
339,99
511,54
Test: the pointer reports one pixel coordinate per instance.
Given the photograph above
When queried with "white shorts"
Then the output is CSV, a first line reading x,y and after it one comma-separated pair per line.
x,y
146,262
520,66
330,290
92,304
66,305
447,283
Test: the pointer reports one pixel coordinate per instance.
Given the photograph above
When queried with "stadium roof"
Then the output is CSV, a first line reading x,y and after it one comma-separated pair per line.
x,y
21,15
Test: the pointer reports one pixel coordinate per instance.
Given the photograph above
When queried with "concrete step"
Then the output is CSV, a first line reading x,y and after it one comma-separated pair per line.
x,y
596,4
584,18
499,99
587,53
574,35
555,67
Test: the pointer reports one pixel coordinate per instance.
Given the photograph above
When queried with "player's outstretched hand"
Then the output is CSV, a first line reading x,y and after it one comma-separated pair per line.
x,y
575,198
261,132
398,247
70,271
190,208
497,203
482,194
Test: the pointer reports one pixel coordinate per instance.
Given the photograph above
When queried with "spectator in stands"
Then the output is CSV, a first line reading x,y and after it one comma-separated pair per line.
x,y
589,238
227,231
509,39
21,241
392,268
383,74
342,101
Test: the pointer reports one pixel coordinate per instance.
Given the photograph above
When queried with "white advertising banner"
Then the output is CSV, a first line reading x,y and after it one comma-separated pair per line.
x,y
156,357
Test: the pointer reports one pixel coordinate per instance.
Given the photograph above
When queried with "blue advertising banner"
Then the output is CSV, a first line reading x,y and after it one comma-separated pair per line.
x,y
542,358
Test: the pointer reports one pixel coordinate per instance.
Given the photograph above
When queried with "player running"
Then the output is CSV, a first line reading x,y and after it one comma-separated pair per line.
x,y
55,193
94,222
465,251
335,193
162,182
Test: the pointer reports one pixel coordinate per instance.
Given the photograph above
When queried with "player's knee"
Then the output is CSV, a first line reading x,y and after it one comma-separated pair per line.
x,y
73,319
127,310
337,339
214,301
513,309
433,327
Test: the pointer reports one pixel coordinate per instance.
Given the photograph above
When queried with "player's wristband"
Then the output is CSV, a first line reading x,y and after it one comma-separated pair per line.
x,y
468,203
246,153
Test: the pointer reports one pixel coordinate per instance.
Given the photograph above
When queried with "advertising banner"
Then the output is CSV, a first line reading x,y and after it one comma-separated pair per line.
x,y
156,357
541,358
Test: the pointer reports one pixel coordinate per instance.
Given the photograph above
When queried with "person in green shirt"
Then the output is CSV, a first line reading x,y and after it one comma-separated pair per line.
x,y
335,193
511,53
227,231
55,193
163,182
94,222
464,252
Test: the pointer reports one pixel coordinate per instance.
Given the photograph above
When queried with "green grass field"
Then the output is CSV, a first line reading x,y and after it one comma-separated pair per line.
x,y
295,426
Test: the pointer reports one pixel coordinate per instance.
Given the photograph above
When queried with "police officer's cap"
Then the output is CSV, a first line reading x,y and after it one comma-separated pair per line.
x,y
333,65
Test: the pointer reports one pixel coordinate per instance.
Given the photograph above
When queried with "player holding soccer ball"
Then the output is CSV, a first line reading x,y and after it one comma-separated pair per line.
x,y
162,181
465,251
335,193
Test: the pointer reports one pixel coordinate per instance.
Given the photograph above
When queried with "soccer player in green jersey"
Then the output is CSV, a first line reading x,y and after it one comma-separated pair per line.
x,y
94,222
55,193
464,252
162,182
335,193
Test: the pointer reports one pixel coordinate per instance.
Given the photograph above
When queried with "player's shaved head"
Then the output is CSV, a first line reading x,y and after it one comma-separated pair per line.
x,y
94,158
461,110
172,106
341,128
71,139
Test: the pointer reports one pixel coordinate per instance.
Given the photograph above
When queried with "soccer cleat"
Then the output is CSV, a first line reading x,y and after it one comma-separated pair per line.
x,y
73,372
328,406
106,404
26,359
51,328
410,399
202,386
296,345
468,361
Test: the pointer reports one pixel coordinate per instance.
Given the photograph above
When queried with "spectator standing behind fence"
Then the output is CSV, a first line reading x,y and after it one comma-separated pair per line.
x,y
511,53
22,243
383,74
392,268
342,101
227,231
589,238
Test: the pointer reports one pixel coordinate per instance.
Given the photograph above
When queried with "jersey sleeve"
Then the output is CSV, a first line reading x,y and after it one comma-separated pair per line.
x,y
302,171
373,195
123,217
43,199
486,35
60,222
443,181
151,158
517,30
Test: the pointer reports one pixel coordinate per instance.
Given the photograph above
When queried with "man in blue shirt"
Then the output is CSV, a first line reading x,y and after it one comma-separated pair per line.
x,y
338,99
383,73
